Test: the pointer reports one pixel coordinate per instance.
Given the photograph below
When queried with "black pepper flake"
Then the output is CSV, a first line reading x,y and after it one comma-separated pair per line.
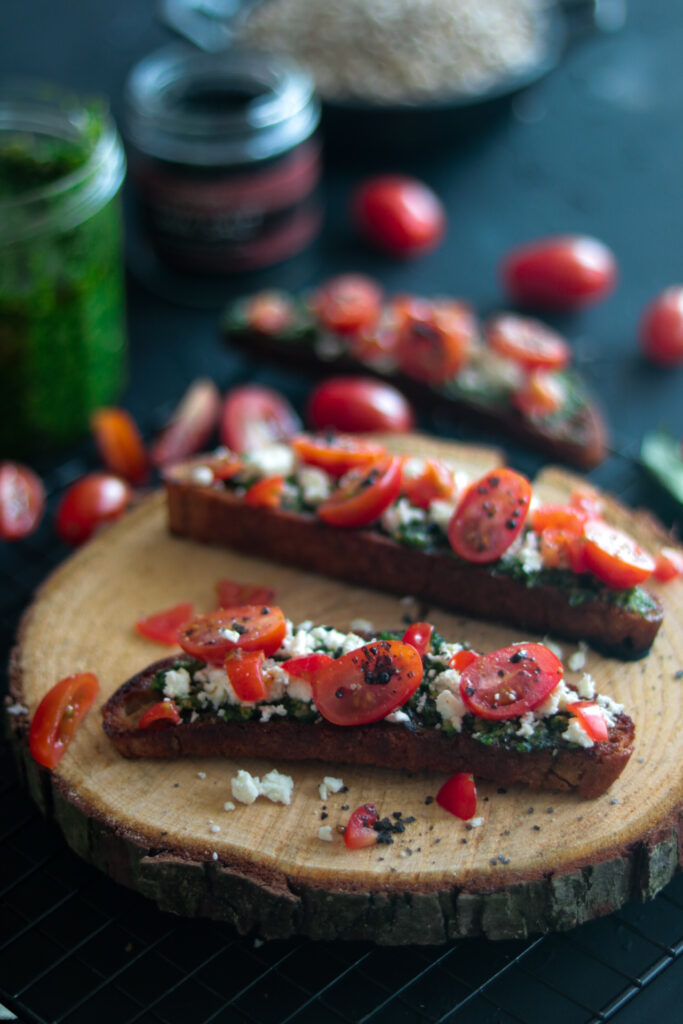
x,y
506,832
436,841
501,789
502,859
486,799
324,815
429,800
530,811
463,841
550,810
536,828
385,838
614,800
410,819
344,789
679,674
397,814
175,785
345,807
494,862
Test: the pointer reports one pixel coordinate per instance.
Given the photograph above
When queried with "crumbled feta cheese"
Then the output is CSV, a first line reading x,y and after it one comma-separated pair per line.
x,y
413,467
609,707
300,689
268,710
552,646
577,661
16,709
315,484
325,833
277,787
216,688
475,822
400,514
177,683
586,687
448,650
451,708
201,475
297,642
214,828
231,635
245,787
362,626
557,700
575,733
449,679
271,460
228,806
441,512
397,717
530,553
527,725
333,784
214,856
322,791
201,775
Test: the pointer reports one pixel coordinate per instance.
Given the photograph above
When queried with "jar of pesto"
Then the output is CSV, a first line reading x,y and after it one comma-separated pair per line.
x,y
62,329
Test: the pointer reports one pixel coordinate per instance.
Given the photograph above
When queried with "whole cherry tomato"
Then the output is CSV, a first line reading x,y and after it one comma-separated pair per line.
x,y
490,514
614,556
661,328
244,670
347,303
253,416
337,454
458,796
92,501
160,716
560,272
359,404
529,342
419,634
120,444
363,495
22,501
191,425
511,681
247,627
399,215
591,718
359,832
367,684
163,626
58,715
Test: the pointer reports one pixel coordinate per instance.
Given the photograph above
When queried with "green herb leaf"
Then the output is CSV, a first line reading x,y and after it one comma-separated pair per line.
x,y
661,455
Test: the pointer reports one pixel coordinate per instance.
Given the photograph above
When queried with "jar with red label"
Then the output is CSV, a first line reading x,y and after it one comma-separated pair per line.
x,y
225,157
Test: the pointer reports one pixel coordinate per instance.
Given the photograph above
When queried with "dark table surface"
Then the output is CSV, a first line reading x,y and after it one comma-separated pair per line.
x,y
596,148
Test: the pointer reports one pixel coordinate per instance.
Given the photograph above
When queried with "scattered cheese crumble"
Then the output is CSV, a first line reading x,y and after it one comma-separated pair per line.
x,y
325,833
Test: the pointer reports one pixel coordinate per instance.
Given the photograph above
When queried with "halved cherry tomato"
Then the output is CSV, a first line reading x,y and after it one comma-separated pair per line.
x,y
458,796
419,634
461,659
253,416
562,272
230,594
591,718
211,637
92,501
58,715
558,517
563,549
541,394
507,683
489,516
191,425
426,480
529,342
22,501
614,556
266,493
346,303
163,626
162,715
119,443
244,670
661,328
367,684
434,340
668,564
398,214
223,466
374,343
307,667
358,404
363,495
587,501
269,312
360,832
338,453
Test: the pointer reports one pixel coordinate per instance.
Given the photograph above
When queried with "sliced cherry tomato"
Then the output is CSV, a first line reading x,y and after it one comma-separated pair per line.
x,y
668,564
529,342
338,453
367,684
509,682
307,666
254,416
359,404
191,426
426,480
58,716
434,340
269,312
22,501
363,495
374,344
563,549
230,594
614,556
541,394
266,493
346,303
247,627
589,502
458,796
399,215
224,466
244,670
490,514
461,659
563,272
558,517
591,718
92,501
163,626
160,716
661,328
360,832
419,634
119,443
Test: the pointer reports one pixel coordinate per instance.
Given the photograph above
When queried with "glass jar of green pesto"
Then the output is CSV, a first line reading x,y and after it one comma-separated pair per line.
x,y
62,327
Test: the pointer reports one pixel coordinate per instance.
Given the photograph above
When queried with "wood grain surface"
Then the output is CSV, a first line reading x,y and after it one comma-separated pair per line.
x,y
537,862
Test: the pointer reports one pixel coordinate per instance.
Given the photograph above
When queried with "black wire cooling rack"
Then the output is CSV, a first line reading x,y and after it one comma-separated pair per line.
x,y
76,949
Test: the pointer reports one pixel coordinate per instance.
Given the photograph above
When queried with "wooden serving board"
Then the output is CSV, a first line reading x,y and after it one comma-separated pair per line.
x,y
538,862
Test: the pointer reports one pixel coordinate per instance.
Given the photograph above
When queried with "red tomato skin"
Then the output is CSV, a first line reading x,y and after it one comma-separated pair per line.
x,y
614,557
541,394
162,715
419,634
22,501
120,444
529,342
458,796
461,659
89,503
58,716
516,679
266,493
269,312
230,594
668,564
434,339
253,415
559,517
559,272
308,666
490,514
363,497
367,684
435,482
264,630
347,303
591,718
562,549
661,328
359,832
359,405
399,215
244,670
337,455
191,426
163,626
